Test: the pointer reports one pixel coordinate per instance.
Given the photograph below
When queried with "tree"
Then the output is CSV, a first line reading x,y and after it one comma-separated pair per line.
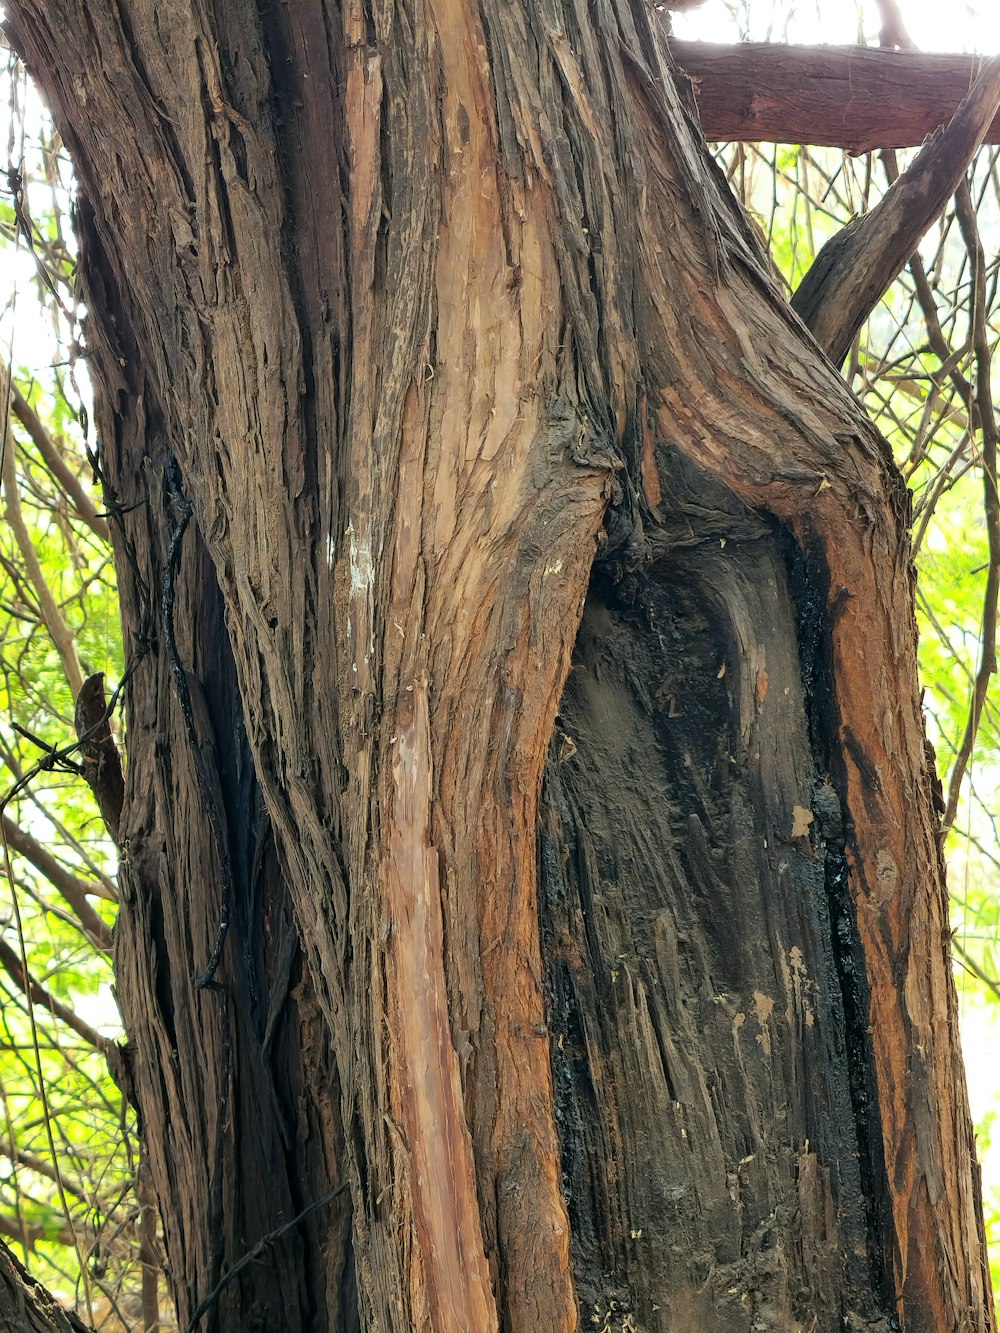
x,y
532,900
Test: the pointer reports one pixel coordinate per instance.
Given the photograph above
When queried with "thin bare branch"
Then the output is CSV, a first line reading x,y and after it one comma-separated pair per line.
x,y
11,963
60,632
39,1231
52,456
991,504
71,887
854,270
43,1168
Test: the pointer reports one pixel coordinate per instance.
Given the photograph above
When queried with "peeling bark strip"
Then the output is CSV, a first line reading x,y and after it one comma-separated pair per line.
x,y
436,304
854,97
428,1082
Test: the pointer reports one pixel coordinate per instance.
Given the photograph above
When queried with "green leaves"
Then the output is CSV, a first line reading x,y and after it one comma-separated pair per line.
x,y
67,1153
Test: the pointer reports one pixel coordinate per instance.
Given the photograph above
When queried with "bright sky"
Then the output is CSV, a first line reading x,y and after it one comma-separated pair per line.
x,y
972,25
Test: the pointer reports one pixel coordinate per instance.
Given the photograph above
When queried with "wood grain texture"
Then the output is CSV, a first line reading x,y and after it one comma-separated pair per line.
x,y
854,97
692,952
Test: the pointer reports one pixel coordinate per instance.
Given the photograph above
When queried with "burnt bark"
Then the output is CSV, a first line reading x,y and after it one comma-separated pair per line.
x,y
710,1052
428,344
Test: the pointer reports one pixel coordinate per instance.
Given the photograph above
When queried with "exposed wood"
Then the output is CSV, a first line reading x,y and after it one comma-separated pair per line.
x,y
854,97
692,950
855,268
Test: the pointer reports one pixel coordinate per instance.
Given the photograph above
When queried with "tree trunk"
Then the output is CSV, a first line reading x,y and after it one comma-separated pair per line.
x,y
438,320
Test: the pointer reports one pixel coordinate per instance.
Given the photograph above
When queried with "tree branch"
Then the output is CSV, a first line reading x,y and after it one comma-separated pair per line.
x,y
854,97
893,32
853,271
46,1169
62,473
25,1305
966,212
52,617
35,1232
37,994
73,889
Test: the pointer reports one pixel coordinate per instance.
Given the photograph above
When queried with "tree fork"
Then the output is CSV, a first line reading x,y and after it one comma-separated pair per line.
x,y
394,285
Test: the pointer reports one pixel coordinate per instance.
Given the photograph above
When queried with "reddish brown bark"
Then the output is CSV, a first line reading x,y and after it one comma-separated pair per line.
x,y
853,271
442,320
852,97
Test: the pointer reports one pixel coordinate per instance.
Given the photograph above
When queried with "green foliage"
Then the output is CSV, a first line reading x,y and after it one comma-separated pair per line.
x,y
67,1150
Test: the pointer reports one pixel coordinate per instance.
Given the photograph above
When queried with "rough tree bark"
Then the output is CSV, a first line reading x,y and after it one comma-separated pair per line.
x,y
26,1306
855,97
438,322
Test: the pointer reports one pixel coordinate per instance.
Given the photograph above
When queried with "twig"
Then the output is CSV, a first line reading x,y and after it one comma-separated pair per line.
x,y
991,504
256,1253
57,465
52,617
16,968
72,888
59,755
42,1092
969,963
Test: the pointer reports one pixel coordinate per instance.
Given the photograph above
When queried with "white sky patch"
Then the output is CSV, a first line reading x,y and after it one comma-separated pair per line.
x,y
963,25
31,335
